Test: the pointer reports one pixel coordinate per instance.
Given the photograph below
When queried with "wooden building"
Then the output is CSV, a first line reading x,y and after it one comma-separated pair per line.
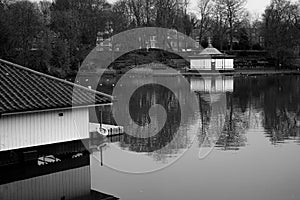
x,y
211,88
214,84
38,109
72,184
211,59
54,186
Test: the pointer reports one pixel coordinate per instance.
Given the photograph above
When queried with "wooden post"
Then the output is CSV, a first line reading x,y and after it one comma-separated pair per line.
x,y
99,148
101,156
101,119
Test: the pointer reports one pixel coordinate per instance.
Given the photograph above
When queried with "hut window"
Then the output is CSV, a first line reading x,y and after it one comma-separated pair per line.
x,y
60,114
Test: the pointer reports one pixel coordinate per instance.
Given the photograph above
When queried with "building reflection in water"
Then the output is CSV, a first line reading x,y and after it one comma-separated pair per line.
x,y
212,84
57,171
260,112
70,184
266,104
230,133
250,102
227,125
174,135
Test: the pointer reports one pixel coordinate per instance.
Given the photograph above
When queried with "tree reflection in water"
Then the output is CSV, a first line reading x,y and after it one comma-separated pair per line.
x,y
270,102
234,131
231,133
227,125
278,99
174,137
281,100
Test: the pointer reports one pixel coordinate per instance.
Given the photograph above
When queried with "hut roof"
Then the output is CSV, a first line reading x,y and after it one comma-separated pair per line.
x,y
23,90
210,50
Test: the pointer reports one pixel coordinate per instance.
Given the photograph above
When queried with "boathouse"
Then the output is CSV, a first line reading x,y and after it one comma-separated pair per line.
x,y
212,84
211,59
37,109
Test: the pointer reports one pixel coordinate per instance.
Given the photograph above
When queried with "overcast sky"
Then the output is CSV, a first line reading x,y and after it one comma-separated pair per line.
x,y
254,6
257,5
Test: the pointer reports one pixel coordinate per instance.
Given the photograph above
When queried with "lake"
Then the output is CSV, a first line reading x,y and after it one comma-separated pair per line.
x,y
223,137
244,147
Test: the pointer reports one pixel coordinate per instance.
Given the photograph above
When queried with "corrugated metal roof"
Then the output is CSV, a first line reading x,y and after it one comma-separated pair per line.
x,y
22,90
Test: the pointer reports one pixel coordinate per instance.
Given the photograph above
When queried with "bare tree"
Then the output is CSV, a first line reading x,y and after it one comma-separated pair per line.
x,y
219,19
166,13
141,12
120,16
205,9
161,13
234,11
281,29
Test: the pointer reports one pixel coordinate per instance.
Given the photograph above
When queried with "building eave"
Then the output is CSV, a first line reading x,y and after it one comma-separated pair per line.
x,y
53,109
212,56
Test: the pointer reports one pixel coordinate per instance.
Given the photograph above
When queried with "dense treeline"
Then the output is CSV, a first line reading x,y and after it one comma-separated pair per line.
x,y
281,30
55,37
51,37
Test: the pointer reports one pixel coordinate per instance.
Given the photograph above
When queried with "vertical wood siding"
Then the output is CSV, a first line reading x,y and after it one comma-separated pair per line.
x,y
205,64
70,184
221,84
26,130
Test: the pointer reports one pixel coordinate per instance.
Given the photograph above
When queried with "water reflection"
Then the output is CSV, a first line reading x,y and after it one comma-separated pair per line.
x,y
162,135
277,98
231,133
214,84
247,163
272,101
63,175
48,187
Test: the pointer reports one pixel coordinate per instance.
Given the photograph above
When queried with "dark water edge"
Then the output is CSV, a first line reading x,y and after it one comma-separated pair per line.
x,y
255,157
272,102
276,96
30,174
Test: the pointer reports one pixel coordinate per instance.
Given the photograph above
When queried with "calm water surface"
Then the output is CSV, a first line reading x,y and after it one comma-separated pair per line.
x,y
255,135
257,148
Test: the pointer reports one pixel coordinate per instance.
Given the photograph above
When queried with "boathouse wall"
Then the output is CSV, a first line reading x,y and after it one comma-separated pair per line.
x,y
43,128
61,185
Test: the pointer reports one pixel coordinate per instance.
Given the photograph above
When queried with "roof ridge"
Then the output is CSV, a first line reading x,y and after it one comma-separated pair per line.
x,y
55,78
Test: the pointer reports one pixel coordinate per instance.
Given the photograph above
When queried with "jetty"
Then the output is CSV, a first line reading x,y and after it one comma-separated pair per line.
x,y
106,129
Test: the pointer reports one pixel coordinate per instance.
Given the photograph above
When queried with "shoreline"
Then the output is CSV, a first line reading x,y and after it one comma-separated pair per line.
x,y
204,73
245,73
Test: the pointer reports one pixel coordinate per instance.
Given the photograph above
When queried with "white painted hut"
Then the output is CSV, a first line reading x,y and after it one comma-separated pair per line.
x,y
211,59
215,84
212,87
37,109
